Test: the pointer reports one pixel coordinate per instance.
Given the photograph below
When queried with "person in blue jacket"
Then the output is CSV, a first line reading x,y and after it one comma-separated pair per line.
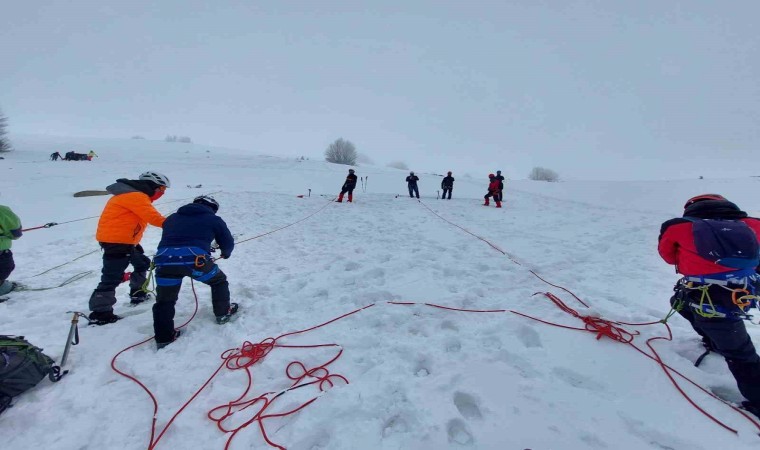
x,y
185,251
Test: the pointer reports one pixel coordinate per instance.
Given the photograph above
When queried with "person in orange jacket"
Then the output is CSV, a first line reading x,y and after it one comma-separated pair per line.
x,y
121,226
493,191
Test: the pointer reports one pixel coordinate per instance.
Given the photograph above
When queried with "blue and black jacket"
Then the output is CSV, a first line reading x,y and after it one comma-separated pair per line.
x,y
188,234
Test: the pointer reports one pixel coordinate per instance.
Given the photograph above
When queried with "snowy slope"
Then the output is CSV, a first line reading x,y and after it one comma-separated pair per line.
x,y
420,377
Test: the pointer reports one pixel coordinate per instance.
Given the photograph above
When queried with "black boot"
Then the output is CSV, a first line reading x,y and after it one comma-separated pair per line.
x,y
160,345
226,318
137,297
103,317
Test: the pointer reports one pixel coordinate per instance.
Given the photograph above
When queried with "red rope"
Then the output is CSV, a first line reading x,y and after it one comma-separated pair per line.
x,y
602,327
611,329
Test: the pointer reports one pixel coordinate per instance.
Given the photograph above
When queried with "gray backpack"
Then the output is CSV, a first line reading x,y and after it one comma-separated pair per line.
x,y
22,366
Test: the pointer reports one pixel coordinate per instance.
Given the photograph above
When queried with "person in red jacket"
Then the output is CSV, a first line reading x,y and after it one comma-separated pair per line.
x,y
493,191
715,247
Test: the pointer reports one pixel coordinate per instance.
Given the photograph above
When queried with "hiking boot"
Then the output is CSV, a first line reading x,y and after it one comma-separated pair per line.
x,y
226,318
498,204
138,297
7,286
160,345
103,317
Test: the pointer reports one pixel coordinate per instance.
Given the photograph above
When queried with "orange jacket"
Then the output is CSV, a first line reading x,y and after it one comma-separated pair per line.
x,y
125,218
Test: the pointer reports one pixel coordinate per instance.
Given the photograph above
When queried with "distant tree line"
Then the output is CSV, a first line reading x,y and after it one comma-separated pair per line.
x,y
175,138
543,174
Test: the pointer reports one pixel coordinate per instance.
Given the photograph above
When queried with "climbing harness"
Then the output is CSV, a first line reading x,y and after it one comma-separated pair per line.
x,y
742,285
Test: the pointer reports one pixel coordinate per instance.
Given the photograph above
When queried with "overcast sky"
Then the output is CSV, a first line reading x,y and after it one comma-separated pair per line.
x,y
592,89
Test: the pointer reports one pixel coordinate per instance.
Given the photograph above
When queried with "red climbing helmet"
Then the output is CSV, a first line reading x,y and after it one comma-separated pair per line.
x,y
699,198
490,175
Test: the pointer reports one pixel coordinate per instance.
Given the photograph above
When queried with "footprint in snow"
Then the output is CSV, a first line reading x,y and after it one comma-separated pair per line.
x,y
578,380
457,432
529,336
467,406
453,346
351,266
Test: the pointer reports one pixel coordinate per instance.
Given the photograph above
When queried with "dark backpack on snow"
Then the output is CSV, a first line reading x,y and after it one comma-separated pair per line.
x,y
730,243
22,366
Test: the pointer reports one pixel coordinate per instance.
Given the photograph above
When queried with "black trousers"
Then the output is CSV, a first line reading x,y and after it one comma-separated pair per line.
x,y
116,259
444,193
168,284
413,189
729,338
6,265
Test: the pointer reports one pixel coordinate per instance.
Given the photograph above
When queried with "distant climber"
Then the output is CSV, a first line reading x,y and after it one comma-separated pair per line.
x,y
56,156
493,191
348,186
500,178
411,183
447,184
91,154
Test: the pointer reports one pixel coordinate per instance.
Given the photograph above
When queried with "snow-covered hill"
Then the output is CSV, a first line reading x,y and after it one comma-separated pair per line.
x,y
419,377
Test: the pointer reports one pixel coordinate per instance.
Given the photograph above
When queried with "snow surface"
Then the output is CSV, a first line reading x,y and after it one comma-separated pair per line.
x,y
420,377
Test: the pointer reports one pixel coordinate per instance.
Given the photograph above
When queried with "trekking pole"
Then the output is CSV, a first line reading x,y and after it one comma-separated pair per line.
x,y
73,338
437,195
309,192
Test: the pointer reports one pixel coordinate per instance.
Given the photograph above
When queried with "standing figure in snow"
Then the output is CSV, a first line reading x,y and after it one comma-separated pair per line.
x,y
447,184
55,156
185,251
91,155
501,185
10,230
120,228
493,191
715,247
411,183
348,186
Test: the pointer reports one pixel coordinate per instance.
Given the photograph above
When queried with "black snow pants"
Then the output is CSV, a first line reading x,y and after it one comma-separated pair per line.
x,y
729,338
116,259
168,284
6,265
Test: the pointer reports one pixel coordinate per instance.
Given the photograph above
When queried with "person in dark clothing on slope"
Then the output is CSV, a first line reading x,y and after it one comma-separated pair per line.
x,y
447,184
185,251
120,229
411,182
56,156
493,191
348,186
500,179
715,247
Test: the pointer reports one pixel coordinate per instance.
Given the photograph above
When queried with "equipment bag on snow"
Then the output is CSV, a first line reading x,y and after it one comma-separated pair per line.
x,y
730,243
22,366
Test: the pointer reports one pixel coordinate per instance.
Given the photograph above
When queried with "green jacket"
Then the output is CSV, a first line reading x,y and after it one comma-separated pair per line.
x,y
10,227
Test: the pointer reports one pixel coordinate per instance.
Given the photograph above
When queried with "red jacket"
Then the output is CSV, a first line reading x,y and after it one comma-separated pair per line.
x,y
493,187
677,247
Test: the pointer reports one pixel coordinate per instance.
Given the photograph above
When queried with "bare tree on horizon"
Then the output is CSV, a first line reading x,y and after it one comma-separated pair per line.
x,y
341,152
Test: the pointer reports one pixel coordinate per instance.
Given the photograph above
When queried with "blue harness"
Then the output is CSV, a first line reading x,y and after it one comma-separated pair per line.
x,y
191,257
744,280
